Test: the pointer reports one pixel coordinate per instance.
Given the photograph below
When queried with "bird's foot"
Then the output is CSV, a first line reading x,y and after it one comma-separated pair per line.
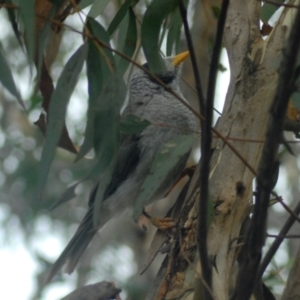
x,y
161,223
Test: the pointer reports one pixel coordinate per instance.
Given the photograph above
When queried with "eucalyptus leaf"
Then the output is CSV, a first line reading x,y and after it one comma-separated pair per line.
x,y
107,118
57,111
268,10
95,78
157,11
104,181
14,23
174,32
120,15
68,195
97,8
132,124
127,40
27,9
85,3
98,31
295,98
42,40
7,79
162,167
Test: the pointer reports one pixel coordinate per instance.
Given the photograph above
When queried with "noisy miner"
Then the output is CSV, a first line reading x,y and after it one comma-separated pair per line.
x,y
169,118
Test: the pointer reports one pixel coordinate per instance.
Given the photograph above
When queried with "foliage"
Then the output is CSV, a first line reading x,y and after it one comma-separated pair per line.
x,y
108,45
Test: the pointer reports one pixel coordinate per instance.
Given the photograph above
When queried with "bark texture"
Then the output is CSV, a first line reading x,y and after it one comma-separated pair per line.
x,y
254,64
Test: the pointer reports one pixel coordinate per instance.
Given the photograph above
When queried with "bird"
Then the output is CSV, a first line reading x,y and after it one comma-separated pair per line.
x,y
151,101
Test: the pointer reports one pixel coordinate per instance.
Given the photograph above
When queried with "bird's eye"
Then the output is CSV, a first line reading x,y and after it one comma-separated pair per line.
x,y
146,66
167,77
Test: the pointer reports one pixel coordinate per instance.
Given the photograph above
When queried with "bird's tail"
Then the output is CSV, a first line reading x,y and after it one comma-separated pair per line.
x,y
77,245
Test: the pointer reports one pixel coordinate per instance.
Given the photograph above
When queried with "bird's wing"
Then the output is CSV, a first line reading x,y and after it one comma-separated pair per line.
x,y
128,158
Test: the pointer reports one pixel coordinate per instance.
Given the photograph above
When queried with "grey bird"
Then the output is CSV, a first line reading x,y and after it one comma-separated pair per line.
x,y
147,100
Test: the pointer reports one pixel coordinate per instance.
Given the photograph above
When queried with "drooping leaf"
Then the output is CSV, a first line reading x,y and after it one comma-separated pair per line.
x,y
157,11
13,21
85,3
120,15
133,125
68,195
163,32
268,10
164,163
7,80
27,9
127,40
107,118
174,32
101,35
103,183
57,111
97,8
100,66
295,99
42,41
94,64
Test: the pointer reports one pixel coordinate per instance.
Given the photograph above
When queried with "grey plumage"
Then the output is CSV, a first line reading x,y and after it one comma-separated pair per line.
x,y
169,118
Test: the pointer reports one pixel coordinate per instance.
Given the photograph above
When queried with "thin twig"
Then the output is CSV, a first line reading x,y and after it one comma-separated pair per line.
x,y
291,236
292,214
279,239
202,223
206,139
189,41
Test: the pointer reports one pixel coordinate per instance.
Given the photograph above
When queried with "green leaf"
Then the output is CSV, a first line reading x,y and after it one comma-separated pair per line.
x,y
127,40
296,100
107,118
120,15
68,195
174,32
100,67
157,11
216,11
268,10
27,9
57,111
104,181
7,80
85,3
100,34
97,8
35,100
13,21
131,124
42,40
163,165
95,75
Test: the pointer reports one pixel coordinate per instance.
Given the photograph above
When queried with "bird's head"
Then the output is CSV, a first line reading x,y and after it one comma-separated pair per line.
x,y
170,76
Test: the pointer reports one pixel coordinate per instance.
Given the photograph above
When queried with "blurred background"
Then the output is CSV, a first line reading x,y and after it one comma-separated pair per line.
x,y
32,236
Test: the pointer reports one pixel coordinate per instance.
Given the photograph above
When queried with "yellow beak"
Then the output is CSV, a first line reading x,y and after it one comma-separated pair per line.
x,y
179,58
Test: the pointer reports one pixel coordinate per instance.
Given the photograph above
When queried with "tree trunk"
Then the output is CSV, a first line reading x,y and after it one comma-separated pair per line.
x,y
254,64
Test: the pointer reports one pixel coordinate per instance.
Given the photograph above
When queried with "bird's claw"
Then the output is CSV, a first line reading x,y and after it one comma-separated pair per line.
x,y
161,223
